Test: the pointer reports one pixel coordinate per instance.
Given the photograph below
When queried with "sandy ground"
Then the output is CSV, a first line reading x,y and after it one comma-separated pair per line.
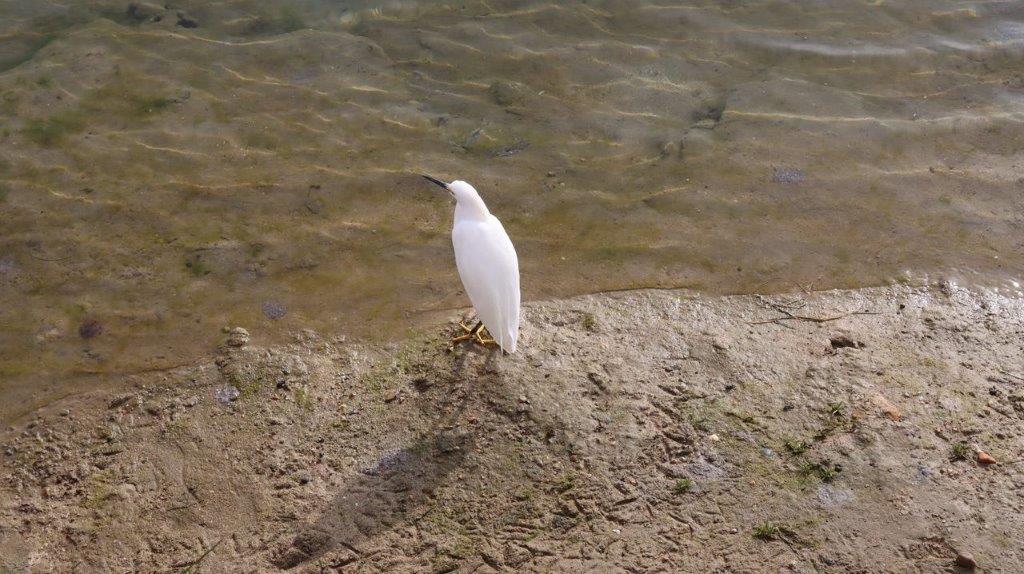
x,y
645,431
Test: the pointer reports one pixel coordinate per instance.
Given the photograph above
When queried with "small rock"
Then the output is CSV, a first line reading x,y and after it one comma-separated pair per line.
x,y
833,496
842,341
90,328
472,137
120,401
451,441
714,438
512,149
888,409
507,93
112,449
315,205
237,337
788,175
186,22
226,393
966,560
391,396
985,458
137,12
273,310
305,478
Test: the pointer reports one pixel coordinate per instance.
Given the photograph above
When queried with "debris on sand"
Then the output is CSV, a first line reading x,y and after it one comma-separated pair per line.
x,y
90,328
788,175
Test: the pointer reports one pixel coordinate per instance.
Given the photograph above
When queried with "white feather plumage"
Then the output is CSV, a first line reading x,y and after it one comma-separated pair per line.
x,y
487,264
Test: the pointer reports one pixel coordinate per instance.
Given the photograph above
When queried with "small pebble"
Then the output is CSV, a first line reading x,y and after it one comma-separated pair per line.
x,y
966,560
985,458
226,393
237,337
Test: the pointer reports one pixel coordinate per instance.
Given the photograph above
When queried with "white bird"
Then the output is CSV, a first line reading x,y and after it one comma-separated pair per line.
x,y
488,266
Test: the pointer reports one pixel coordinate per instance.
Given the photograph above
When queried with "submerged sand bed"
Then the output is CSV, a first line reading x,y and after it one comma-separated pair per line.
x,y
648,431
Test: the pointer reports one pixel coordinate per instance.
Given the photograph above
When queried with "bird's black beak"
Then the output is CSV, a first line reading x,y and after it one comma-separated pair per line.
x,y
438,182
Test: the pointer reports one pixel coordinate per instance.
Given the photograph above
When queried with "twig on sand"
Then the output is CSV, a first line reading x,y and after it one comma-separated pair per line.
x,y
1011,375
791,317
193,565
787,308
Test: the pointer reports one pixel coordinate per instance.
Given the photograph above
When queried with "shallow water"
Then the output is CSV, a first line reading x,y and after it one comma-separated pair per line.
x,y
165,172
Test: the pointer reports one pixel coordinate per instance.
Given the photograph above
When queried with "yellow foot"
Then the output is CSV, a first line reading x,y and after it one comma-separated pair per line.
x,y
474,334
470,333
480,338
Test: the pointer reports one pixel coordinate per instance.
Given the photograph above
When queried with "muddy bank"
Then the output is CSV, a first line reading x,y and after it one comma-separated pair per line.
x,y
877,430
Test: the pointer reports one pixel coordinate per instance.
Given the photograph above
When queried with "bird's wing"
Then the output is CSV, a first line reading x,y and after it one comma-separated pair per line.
x,y
489,269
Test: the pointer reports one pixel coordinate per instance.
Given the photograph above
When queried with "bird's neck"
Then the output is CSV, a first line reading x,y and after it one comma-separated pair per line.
x,y
471,208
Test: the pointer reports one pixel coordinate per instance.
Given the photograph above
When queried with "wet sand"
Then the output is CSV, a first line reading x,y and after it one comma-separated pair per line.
x,y
874,430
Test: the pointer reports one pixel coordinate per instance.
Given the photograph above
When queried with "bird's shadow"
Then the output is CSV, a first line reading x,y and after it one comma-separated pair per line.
x,y
396,488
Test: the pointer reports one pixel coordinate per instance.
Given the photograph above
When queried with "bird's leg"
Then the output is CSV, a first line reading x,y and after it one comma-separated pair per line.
x,y
470,333
480,338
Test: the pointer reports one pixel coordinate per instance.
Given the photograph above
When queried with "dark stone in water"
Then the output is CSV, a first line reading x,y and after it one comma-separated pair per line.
x,y
471,139
508,93
274,310
314,204
511,149
713,113
90,328
186,22
788,175
138,13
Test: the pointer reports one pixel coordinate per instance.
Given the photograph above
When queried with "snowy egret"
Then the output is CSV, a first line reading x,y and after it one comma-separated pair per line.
x,y
488,266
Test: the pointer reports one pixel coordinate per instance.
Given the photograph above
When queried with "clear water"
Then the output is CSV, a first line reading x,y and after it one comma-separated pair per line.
x,y
169,170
